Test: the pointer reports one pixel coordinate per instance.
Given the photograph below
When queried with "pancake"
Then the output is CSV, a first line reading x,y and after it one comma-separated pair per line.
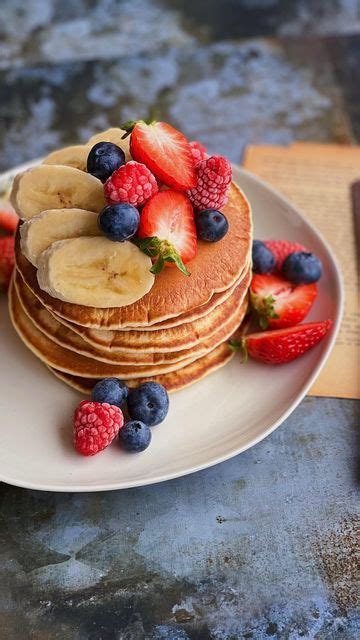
x,y
74,363
216,268
179,338
66,338
173,381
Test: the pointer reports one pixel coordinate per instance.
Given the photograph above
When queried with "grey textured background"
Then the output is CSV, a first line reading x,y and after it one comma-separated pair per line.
x,y
263,546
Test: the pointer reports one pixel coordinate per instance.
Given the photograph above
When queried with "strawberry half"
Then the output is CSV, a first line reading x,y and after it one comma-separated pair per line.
x,y
7,261
164,150
167,230
281,249
278,303
8,217
283,345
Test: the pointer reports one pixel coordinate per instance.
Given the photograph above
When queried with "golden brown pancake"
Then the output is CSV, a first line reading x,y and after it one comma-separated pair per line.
x,y
215,269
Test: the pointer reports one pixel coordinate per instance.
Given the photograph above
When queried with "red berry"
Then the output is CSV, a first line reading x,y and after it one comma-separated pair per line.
x,y
198,151
7,261
281,249
279,303
8,217
213,181
96,425
133,183
165,151
283,345
168,218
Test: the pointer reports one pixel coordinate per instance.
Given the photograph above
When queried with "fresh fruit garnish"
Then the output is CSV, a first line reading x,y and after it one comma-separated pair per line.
x,y
282,345
7,261
135,436
279,303
95,426
263,260
110,390
211,225
167,230
302,267
133,183
164,150
95,272
8,217
103,159
119,222
198,151
148,403
214,176
281,249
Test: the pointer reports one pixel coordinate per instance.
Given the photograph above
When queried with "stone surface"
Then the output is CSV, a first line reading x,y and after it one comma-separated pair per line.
x,y
262,546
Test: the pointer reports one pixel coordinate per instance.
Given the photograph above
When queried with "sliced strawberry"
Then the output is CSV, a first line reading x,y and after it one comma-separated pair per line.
x,y
167,230
8,217
278,302
164,150
281,249
283,345
7,261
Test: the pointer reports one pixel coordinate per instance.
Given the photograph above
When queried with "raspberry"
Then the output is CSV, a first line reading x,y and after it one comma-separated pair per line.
x,y
281,249
133,183
213,180
96,425
198,151
7,261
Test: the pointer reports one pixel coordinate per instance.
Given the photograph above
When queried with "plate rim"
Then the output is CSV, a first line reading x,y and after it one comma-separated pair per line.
x,y
81,488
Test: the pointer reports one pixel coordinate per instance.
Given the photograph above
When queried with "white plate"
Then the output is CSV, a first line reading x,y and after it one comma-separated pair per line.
x,y
212,421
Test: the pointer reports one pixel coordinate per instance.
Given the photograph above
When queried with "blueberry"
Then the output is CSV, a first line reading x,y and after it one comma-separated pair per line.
x,y
110,390
103,159
149,402
135,436
262,258
119,222
211,225
302,267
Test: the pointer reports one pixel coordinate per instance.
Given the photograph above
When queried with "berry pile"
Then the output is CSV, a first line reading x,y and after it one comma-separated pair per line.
x,y
166,198
8,223
282,292
97,422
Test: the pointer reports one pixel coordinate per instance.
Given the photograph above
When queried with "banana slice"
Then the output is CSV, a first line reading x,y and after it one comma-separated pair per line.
x,y
95,272
53,186
38,233
113,135
75,156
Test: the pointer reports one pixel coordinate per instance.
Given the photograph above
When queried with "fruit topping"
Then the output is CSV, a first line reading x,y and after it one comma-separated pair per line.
x,y
148,403
7,261
213,181
110,390
211,225
302,267
103,159
95,426
198,151
135,436
164,150
281,249
132,183
263,260
167,230
119,222
278,303
8,217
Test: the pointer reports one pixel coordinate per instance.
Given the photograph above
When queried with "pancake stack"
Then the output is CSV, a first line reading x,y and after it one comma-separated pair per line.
x,y
175,334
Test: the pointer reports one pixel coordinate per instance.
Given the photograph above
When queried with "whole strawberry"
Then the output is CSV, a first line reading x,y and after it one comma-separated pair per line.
x,y
96,425
213,181
7,261
133,183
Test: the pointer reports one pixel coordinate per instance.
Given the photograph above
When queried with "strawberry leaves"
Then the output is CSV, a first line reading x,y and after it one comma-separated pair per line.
x,y
162,251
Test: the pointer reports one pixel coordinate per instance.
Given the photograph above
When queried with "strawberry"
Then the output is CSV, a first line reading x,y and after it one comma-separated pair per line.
x,y
7,261
8,216
167,230
281,249
282,345
164,150
278,302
